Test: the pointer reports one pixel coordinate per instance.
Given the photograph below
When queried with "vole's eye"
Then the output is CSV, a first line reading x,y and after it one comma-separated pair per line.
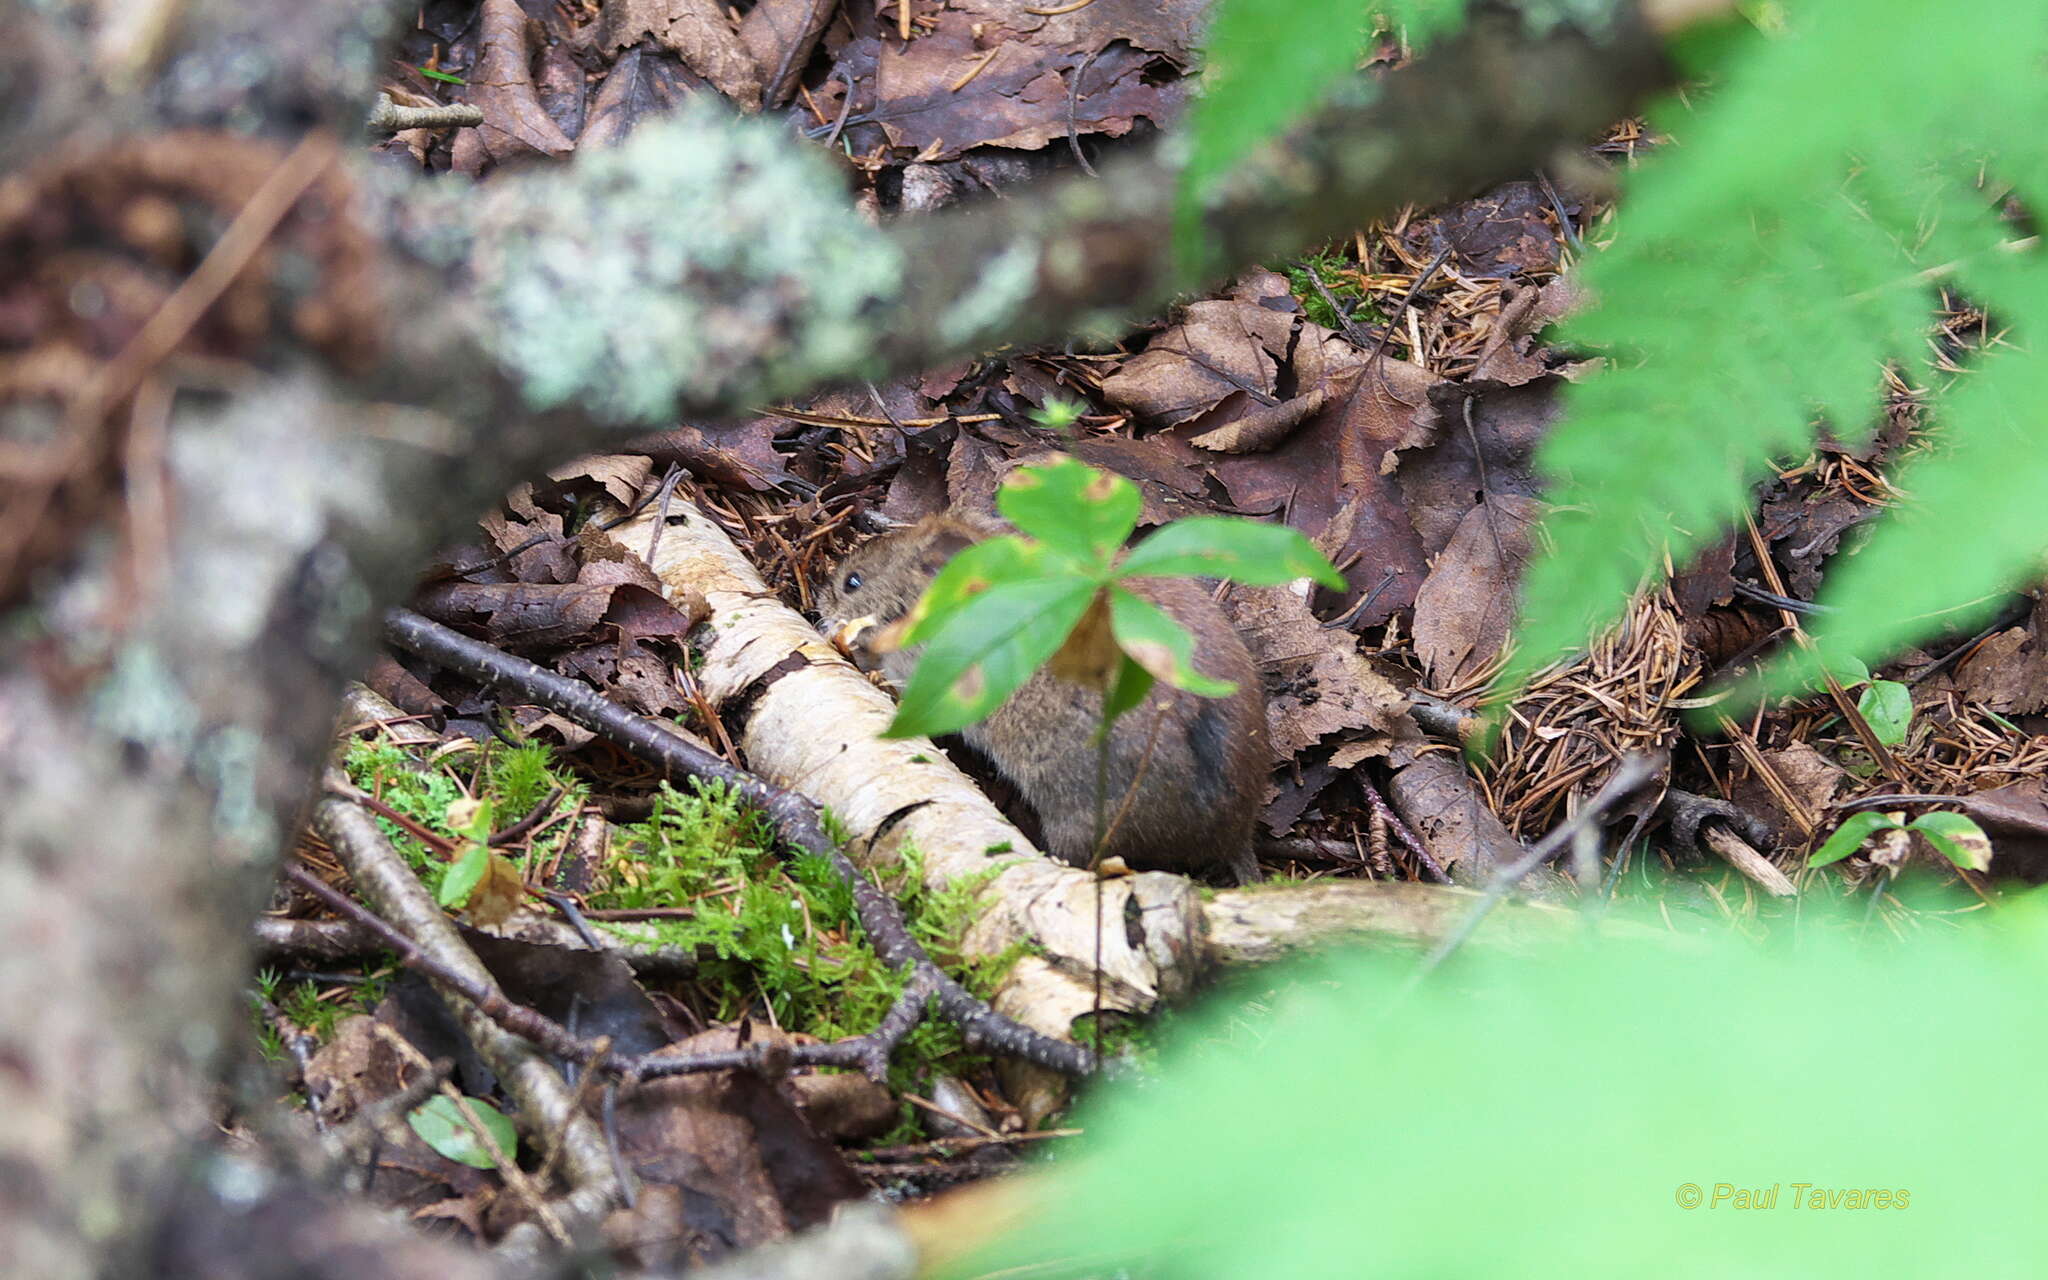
x,y
852,583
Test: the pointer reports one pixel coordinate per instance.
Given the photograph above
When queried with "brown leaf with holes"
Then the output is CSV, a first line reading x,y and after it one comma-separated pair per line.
x,y
1466,607
696,31
1510,355
515,124
1805,528
552,559
1317,683
1451,817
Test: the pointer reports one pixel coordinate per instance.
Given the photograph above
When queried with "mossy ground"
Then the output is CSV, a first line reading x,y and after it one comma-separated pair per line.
x,y
776,935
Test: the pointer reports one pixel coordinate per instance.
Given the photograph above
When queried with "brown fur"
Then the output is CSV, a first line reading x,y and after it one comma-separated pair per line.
x,y
1186,772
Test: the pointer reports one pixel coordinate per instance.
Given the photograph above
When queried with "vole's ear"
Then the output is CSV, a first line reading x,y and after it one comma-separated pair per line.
x,y
947,538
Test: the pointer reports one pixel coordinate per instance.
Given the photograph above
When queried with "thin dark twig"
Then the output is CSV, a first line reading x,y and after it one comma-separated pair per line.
x,y
1873,802
518,830
1372,362
845,107
668,491
1345,618
1564,220
300,1047
1789,603
867,1053
1359,338
875,394
1500,550
1073,102
795,818
1409,840
2011,614
565,904
1632,773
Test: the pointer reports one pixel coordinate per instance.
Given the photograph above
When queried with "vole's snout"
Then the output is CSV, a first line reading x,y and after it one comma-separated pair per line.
x,y
856,639
846,637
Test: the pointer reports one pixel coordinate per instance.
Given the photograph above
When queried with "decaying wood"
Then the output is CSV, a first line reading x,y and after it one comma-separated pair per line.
x,y
1752,865
1268,923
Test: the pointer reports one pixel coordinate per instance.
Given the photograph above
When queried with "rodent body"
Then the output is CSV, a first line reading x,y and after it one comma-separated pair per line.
x,y
1185,773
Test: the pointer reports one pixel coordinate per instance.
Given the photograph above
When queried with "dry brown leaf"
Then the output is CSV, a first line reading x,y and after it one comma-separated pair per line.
x,y
695,31
1317,683
1219,347
978,81
779,35
1450,815
641,84
515,124
2008,672
1441,482
1466,607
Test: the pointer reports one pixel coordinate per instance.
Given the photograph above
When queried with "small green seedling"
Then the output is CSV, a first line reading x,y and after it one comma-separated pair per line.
x,y
1058,414
1055,592
467,871
1885,705
1953,835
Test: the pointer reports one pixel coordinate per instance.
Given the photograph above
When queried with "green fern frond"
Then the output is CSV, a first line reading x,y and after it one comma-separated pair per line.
x,y
1763,272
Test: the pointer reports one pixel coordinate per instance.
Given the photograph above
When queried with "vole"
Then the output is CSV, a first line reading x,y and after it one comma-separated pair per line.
x,y
1185,772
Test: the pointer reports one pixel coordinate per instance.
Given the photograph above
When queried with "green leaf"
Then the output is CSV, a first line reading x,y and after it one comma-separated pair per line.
x,y
1956,838
443,76
1160,645
1173,1164
1849,837
985,650
967,575
1847,669
1887,706
1080,512
440,1124
1133,682
1977,524
1253,552
1761,274
462,877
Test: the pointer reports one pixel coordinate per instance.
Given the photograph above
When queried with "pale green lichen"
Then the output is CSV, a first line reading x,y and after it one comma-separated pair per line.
x,y
1001,288
142,700
707,258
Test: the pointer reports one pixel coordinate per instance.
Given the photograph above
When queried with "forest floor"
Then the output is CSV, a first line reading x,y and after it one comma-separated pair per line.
x,y
1386,396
